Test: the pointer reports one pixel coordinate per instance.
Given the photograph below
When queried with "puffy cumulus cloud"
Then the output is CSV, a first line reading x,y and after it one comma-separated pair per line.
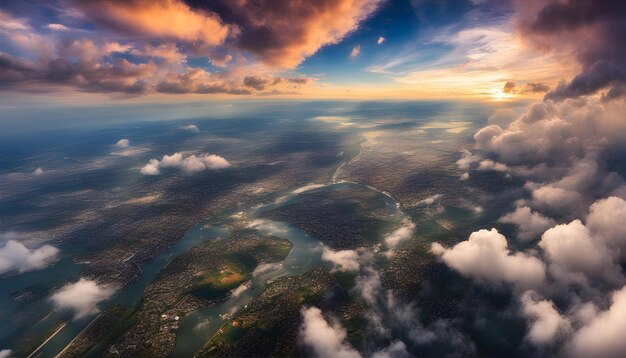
x,y
606,223
38,171
283,33
570,249
380,40
546,323
81,297
563,150
490,165
346,260
603,336
190,164
530,224
15,256
467,159
324,338
486,258
160,19
588,29
122,143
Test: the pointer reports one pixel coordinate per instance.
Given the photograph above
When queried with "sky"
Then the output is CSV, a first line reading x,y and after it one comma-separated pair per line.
x,y
61,51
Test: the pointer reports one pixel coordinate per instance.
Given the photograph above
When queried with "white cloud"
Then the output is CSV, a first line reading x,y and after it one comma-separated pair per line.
x,y
530,224
191,128
15,256
326,340
606,221
57,27
490,165
571,249
546,323
346,260
241,289
467,159
380,40
393,239
356,51
38,171
81,297
604,335
464,176
266,267
486,258
369,285
429,200
5,353
189,165
122,143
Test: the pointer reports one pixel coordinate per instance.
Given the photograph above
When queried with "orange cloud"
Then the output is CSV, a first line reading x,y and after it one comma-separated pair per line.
x,y
170,19
284,33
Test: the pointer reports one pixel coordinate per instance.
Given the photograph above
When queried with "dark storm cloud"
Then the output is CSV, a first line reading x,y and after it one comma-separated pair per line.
x,y
592,30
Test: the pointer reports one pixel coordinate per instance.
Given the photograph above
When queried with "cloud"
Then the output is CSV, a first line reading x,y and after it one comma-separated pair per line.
x,y
266,267
511,87
264,32
241,289
490,165
5,353
397,349
326,340
38,171
395,238
467,159
530,224
429,200
81,297
191,128
122,143
15,256
158,19
380,40
190,164
346,260
570,249
587,29
57,27
356,51
131,64
546,323
606,223
603,336
486,258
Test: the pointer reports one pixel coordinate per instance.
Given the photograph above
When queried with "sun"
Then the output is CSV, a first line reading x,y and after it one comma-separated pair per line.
x,y
499,95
